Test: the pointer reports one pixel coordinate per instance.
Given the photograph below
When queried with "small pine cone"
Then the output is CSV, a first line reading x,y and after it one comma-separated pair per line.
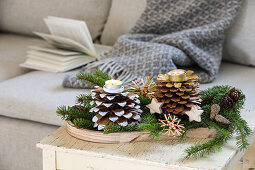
x,y
226,102
215,109
234,95
222,119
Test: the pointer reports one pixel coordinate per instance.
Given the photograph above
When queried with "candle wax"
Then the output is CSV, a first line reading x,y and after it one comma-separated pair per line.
x,y
176,72
113,82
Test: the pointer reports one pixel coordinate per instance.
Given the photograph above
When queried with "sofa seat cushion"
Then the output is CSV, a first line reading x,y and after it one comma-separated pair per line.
x,y
12,53
36,95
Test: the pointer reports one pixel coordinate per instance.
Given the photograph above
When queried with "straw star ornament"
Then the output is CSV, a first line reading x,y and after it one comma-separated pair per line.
x,y
171,125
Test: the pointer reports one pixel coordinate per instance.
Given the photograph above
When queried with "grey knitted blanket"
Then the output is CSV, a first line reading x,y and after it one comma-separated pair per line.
x,y
170,34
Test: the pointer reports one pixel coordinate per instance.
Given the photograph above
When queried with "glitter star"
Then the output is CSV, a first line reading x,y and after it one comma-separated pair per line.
x,y
155,106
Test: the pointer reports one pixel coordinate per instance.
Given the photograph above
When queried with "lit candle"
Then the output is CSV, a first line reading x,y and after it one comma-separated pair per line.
x,y
177,75
176,72
113,86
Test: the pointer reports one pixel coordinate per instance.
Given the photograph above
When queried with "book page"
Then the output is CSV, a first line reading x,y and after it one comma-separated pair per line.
x,y
52,50
54,57
50,67
72,29
65,43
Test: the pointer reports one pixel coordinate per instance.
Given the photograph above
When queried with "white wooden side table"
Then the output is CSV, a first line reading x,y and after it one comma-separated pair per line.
x,y
63,152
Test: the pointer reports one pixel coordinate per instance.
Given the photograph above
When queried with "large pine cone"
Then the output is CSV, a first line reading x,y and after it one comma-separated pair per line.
x,y
227,102
120,108
234,95
178,97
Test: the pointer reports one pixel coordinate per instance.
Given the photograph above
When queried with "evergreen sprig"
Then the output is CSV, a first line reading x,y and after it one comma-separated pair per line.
x,y
212,145
98,78
224,132
83,123
84,99
102,75
76,114
98,81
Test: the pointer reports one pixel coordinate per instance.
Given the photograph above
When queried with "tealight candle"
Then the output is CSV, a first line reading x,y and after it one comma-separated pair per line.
x,y
177,75
113,86
113,82
176,72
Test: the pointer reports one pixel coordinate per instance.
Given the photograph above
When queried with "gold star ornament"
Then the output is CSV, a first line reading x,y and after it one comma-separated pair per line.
x,y
195,113
155,106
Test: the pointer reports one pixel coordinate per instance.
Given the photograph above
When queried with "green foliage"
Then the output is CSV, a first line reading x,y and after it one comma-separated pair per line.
x,y
113,127
212,145
84,99
78,115
144,100
102,75
150,123
98,78
224,132
214,95
83,123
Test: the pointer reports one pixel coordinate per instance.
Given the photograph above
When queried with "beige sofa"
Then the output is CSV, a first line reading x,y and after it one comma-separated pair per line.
x,y
28,99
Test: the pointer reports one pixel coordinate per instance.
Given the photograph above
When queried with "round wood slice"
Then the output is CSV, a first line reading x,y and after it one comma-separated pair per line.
x,y
128,137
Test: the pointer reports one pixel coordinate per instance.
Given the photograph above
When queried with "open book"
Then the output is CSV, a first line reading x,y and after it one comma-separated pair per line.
x,y
70,46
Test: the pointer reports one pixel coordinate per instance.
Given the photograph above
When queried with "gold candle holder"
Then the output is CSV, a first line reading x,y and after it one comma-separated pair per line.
x,y
178,75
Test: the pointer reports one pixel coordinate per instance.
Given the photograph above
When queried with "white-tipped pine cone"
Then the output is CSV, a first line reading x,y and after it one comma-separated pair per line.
x,y
121,108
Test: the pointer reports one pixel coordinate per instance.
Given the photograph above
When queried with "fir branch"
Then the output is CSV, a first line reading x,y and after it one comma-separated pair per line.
x,y
62,112
210,146
98,81
214,95
102,75
150,123
83,123
113,127
240,125
84,99
75,112
144,100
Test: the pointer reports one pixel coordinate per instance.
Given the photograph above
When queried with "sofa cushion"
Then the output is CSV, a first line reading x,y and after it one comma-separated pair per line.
x,y
239,45
18,140
36,95
26,16
123,16
12,53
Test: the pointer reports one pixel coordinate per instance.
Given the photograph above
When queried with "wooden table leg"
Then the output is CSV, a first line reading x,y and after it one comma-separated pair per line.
x,y
49,159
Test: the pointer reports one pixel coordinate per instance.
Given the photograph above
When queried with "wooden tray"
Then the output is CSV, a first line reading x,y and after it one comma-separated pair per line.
x,y
128,137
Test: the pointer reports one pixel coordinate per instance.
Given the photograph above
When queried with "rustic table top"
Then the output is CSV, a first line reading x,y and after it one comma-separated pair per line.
x,y
162,153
